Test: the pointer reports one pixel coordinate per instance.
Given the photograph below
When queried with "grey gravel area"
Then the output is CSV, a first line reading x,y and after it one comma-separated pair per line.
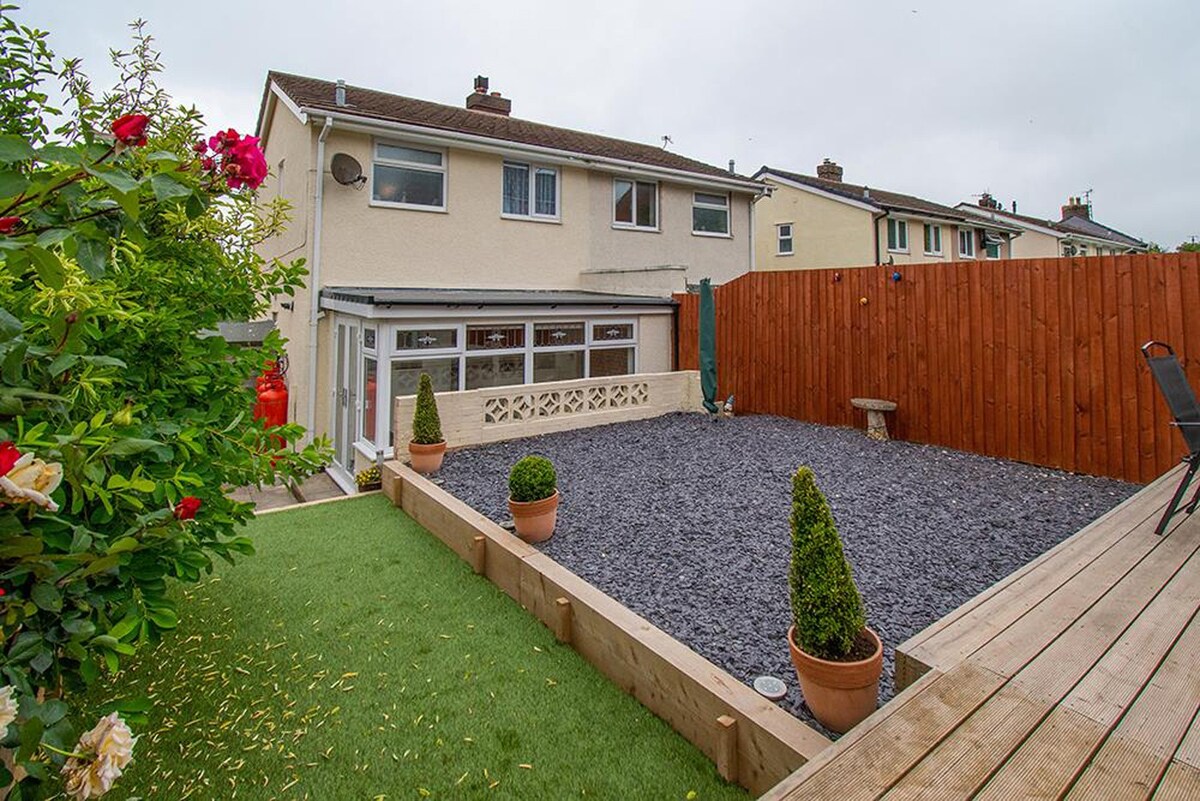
x,y
684,519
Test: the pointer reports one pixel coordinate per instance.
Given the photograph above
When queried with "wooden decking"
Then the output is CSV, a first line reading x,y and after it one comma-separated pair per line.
x,y
1078,677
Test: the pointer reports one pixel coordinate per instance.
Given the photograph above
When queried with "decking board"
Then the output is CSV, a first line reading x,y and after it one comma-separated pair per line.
x,y
1079,675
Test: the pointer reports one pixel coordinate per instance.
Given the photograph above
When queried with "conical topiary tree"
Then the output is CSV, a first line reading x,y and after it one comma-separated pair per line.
x,y
826,606
427,426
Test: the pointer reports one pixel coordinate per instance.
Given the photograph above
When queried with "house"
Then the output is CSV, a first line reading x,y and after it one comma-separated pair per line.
x,y
1076,234
483,249
821,221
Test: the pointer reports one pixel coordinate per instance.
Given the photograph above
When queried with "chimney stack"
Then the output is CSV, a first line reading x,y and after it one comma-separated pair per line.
x,y
986,201
1076,207
829,171
481,100
339,93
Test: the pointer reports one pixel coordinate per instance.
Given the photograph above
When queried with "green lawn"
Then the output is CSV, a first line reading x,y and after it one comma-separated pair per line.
x,y
356,657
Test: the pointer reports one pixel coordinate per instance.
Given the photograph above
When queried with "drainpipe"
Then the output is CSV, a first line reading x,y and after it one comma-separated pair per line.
x,y
875,218
314,280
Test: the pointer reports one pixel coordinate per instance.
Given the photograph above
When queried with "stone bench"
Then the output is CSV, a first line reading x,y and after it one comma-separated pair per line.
x,y
876,424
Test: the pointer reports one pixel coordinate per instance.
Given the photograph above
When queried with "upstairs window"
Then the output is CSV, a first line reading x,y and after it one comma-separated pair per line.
x,y
409,177
635,204
530,191
783,238
898,235
710,214
933,240
966,243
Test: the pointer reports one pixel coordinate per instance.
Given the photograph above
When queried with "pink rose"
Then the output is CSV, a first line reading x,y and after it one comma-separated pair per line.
x,y
250,161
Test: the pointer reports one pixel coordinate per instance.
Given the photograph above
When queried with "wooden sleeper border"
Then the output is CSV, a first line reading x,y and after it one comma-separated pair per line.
x,y
752,741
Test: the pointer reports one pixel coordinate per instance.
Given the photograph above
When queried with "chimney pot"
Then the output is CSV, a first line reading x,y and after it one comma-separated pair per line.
x,y
829,171
1014,207
339,93
732,167
1076,208
481,84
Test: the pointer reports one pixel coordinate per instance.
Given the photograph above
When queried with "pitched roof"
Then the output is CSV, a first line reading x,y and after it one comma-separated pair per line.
x,y
879,198
1088,227
1071,225
316,94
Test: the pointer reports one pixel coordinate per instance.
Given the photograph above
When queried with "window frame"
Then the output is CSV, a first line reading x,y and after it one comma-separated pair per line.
x,y
897,223
791,239
727,208
930,227
443,169
532,168
633,226
969,253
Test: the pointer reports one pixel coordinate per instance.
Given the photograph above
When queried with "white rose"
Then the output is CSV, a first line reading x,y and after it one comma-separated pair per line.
x,y
8,708
111,742
31,480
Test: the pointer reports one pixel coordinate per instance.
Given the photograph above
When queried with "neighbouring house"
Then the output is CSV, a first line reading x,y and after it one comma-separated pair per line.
x,y
480,248
1076,234
809,221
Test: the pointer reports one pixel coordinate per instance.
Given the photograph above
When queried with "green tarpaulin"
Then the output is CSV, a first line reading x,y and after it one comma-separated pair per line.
x,y
708,346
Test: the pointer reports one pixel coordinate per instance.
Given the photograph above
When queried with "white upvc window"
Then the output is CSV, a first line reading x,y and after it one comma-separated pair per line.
x,y
898,236
966,243
635,204
529,191
407,177
785,246
933,240
710,214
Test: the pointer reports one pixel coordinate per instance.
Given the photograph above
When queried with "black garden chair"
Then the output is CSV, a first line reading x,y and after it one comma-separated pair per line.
x,y
1181,400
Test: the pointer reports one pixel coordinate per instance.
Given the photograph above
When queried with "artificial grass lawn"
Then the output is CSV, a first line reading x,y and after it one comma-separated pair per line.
x,y
356,657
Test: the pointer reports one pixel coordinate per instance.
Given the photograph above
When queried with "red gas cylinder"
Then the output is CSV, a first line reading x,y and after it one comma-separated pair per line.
x,y
271,405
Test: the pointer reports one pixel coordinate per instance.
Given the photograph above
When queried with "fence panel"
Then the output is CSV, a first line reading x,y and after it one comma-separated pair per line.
x,y
1032,359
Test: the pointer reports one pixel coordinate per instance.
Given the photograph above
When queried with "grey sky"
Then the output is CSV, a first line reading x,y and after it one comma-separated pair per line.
x,y
1029,100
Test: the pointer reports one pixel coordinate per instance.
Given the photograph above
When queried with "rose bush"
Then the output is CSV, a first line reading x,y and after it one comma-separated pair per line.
x,y
124,419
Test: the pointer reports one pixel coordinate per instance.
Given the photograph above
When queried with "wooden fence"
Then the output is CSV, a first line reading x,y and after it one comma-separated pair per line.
x,y
1036,360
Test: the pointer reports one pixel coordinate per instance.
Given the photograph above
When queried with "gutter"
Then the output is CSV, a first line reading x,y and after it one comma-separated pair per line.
x,y
503,146
314,280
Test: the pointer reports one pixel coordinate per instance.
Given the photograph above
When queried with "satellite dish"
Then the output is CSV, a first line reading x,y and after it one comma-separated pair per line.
x,y
346,169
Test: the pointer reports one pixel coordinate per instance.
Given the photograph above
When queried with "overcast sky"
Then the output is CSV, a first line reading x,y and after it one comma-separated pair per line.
x,y
1032,101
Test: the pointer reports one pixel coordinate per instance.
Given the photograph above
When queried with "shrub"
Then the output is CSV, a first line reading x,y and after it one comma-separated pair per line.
x,y
427,426
532,479
826,606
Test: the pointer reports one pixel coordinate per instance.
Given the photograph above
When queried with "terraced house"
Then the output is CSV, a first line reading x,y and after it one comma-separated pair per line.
x,y
1074,234
481,248
821,221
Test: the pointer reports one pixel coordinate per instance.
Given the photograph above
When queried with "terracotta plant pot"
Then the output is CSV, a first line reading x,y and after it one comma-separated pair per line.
x,y
534,520
426,458
840,694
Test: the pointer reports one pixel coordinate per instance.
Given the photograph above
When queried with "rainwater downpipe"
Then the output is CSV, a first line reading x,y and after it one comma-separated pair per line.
x,y
314,281
875,218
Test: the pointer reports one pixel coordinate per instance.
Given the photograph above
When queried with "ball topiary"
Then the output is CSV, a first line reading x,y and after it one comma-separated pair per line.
x,y
826,606
532,479
427,426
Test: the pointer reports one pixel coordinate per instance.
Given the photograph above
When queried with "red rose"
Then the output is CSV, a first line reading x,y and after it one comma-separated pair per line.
x,y
7,224
8,456
250,161
200,147
187,507
131,129
223,139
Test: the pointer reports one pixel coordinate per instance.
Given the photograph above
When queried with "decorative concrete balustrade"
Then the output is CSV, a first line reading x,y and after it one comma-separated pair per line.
x,y
476,416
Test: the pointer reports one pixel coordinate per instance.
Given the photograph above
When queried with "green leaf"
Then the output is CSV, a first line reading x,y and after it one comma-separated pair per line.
x,y
117,179
12,183
47,596
9,326
31,738
163,617
49,267
125,544
125,627
53,236
57,154
166,187
130,202
14,148
51,711
100,565
132,446
92,256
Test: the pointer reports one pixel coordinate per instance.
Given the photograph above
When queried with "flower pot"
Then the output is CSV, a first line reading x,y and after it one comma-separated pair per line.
x,y
840,694
534,520
426,458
